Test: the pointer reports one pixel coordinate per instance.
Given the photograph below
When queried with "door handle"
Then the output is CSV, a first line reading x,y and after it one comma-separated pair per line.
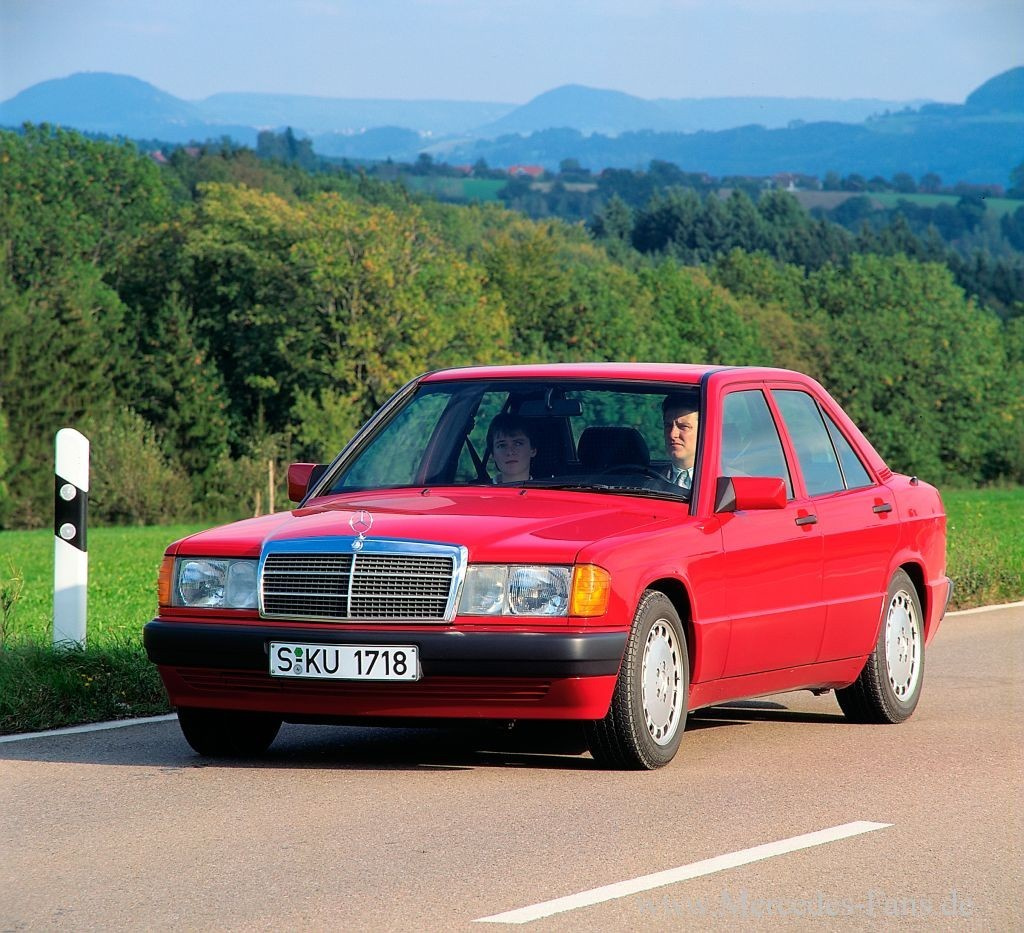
x,y
883,507
807,520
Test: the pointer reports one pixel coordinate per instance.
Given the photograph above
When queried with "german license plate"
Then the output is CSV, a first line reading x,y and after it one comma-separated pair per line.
x,y
344,662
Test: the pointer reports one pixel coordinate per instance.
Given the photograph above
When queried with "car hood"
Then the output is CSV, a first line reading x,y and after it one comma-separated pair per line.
x,y
500,525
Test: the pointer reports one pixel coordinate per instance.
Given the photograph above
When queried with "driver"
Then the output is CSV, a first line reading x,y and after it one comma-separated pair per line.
x,y
679,418
511,447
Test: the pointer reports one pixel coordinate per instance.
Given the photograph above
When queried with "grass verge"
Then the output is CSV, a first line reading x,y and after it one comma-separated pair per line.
x,y
41,688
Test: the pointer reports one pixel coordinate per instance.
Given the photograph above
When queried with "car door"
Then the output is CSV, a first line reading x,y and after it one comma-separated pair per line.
x,y
772,557
855,516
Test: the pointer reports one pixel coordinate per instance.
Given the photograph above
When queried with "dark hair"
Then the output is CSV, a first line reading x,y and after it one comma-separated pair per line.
x,y
506,423
683,400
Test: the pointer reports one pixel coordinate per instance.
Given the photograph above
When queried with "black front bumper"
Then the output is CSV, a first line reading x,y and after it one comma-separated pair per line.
x,y
448,653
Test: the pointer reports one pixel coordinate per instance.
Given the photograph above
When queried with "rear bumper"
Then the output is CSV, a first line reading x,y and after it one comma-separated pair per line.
x,y
516,675
939,596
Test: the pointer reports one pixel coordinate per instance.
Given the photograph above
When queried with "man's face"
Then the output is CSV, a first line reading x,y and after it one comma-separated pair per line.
x,y
512,456
681,436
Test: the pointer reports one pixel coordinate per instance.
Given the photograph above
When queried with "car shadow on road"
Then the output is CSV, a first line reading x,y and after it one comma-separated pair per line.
x,y
450,748
739,712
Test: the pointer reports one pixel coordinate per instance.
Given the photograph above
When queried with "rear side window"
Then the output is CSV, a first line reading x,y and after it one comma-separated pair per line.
x,y
750,440
827,461
853,470
814,450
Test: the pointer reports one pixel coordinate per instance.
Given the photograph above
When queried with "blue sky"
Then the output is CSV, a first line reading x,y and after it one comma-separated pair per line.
x,y
512,50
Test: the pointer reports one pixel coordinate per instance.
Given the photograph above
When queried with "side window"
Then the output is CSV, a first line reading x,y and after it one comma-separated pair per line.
x,y
750,440
856,475
812,442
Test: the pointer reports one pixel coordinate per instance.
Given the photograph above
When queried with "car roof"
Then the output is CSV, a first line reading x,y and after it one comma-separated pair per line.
x,y
670,372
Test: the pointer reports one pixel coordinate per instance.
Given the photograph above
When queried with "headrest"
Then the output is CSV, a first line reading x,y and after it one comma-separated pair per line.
x,y
603,447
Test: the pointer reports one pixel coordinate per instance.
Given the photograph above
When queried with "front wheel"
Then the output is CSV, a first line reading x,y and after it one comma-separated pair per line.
x,y
219,733
889,687
645,722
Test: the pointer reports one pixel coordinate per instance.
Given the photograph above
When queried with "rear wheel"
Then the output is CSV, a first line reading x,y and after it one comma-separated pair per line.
x,y
227,733
889,687
645,722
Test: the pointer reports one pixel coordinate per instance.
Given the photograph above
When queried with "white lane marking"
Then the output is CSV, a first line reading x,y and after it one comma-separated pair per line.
x,y
90,727
970,612
659,879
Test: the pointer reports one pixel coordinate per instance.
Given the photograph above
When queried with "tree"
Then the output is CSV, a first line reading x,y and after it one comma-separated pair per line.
x,y
613,221
128,467
904,183
565,298
919,367
384,300
62,359
744,226
5,493
67,200
668,222
696,321
1017,182
240,282
773,297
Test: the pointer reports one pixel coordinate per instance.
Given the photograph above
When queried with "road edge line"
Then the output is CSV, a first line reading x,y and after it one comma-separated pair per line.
x,y
88,727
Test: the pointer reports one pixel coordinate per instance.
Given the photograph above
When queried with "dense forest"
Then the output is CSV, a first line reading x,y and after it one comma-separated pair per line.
x,y
204,318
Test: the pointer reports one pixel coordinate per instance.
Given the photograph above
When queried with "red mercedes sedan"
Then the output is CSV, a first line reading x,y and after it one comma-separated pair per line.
x,y
611,543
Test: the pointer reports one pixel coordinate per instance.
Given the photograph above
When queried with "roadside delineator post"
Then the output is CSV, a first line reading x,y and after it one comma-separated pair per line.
x,y
70,557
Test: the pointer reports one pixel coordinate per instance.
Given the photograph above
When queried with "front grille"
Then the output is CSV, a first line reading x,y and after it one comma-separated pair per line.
x,y
376,583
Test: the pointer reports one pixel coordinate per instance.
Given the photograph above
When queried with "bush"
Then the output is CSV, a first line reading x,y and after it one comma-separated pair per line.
x,y
131,480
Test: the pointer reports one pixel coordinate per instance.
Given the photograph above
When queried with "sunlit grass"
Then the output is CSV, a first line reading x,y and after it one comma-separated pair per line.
x,y
986,545
123,566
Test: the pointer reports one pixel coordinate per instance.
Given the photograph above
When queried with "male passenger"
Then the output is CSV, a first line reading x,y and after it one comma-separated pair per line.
x,y
679,417
511,447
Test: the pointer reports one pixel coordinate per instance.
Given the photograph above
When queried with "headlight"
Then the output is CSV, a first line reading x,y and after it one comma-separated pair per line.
x,y
532,590
219,584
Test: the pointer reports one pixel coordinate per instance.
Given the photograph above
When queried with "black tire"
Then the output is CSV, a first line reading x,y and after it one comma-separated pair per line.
x,y
218,733
647,716
889,686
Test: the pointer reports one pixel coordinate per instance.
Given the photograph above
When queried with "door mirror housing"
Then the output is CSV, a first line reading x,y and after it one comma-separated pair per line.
x,y
301,476
749,493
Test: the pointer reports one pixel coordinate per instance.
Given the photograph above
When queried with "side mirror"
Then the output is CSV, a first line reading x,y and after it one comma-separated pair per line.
x,y
745,493
301,476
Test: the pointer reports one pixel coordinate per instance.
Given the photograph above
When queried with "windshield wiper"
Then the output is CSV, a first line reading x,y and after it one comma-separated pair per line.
x,y
617,488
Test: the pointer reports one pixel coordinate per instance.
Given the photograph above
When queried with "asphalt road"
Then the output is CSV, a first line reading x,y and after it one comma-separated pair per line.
x,y
127,829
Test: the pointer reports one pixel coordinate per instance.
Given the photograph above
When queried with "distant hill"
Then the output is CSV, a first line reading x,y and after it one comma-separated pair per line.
x,y
122,105
978,151
314,115
978,141
116,105
590,110
1002,94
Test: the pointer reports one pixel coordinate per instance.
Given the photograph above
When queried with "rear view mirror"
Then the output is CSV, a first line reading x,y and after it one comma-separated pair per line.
x,y
743,493
558,407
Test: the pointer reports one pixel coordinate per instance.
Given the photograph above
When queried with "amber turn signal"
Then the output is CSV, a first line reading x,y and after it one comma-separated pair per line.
x,y
591,589
163,584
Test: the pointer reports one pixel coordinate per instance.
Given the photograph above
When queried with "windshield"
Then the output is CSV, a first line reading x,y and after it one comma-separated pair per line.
x,y
596,436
